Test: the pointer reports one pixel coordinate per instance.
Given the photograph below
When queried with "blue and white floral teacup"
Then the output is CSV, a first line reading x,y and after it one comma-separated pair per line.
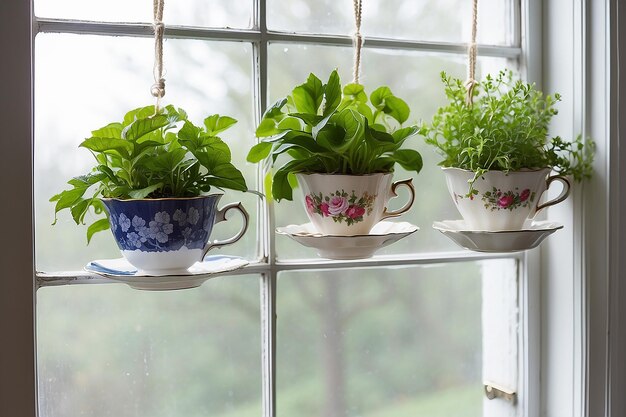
x,y
167,235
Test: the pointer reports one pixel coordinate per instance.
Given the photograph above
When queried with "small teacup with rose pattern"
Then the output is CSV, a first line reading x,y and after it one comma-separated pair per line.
x,y
349,205
501,201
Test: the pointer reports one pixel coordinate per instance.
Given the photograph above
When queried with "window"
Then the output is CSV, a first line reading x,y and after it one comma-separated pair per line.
x,y
63,340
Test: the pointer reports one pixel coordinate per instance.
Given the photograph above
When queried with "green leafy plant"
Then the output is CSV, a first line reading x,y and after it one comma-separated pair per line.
x,y
322,130
506,129
151,155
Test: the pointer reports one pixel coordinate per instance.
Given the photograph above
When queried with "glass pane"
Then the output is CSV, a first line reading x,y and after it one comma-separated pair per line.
x,y
107,350
382,342
432,20
85,82
413,76
207,13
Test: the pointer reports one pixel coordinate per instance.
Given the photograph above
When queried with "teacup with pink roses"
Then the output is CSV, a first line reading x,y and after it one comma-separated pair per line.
x,y
348,205
502,200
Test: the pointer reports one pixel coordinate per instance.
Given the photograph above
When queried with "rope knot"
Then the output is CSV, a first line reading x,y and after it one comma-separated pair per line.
x,y
158,89
469,86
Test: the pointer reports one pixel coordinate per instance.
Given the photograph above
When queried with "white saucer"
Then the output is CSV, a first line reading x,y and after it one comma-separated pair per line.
x,y
348,247
501,241
120,270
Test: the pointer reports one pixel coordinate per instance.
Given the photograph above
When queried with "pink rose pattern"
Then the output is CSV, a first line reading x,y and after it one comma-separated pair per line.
x,y
507,200
340,206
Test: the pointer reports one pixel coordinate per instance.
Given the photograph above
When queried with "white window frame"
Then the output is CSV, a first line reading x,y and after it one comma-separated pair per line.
x,y
587,385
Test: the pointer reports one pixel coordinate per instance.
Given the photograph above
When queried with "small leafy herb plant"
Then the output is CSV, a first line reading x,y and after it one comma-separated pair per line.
x,y
322,128
506,129
151,155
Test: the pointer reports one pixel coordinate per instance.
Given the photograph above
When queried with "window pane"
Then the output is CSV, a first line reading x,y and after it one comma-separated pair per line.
x,y
107,350
375,342
430,20
413,76
86,82
207,13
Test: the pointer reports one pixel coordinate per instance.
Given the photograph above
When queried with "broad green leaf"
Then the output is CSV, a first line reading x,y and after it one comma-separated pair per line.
x,y
303,100
259,152
332,93
397,108
67,198
215,124
281,188
96,144
112,130
330,135
97,226
227,176
409,159
144,192
380,136
289,123
79,209
266,128
354,125
355,92
402,134
141,127
107,171
86,180
213,151
167,161
309,119
379,96
275,109
189,131
322,123
140,113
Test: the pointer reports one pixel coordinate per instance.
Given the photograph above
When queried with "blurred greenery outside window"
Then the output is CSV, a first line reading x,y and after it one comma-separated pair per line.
x,y
293,335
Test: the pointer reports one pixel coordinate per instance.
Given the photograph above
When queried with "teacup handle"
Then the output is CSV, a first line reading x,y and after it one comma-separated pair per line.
x,y
220,216
407,183
561,197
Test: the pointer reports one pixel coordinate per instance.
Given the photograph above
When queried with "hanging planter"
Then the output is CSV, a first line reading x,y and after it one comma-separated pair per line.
x,y
150,185
342,147
342,152
498,158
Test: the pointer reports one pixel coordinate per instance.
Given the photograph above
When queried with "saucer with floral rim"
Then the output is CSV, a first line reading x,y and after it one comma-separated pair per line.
x,y
121,270
533,233
384,233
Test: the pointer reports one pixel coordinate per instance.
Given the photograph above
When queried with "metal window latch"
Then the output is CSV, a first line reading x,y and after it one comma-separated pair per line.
x,y
493,391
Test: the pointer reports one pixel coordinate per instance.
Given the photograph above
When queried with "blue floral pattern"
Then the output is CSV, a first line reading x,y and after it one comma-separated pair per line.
x,y
162,225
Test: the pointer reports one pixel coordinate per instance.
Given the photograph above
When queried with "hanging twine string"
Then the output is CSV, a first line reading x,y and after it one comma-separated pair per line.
x,y
158,88
358,41
471,52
